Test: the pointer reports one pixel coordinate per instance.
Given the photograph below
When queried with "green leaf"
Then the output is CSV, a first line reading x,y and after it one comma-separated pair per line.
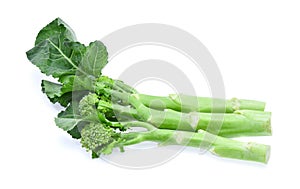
x,y
94,155
51,89
75,133
70,112
64,99
57,28
68,118
66,124
67,83
57,92
57,57
94,59
56,53
71,89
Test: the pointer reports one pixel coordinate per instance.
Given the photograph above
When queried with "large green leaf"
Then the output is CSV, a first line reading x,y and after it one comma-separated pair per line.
x,y
55,52
58,29
57,56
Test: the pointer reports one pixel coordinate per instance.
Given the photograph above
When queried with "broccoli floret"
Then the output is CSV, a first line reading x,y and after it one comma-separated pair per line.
x,y
87,106
99,138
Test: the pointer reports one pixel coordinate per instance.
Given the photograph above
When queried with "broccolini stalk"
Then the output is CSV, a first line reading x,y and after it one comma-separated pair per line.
x,y
102,136
238,123
177,102
186,103
101,139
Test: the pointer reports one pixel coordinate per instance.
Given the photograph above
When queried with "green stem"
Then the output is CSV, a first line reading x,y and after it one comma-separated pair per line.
x,y
217,145
239,123
159,102
186,103
126,88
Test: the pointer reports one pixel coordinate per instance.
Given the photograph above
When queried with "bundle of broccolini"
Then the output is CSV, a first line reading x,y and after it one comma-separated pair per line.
x,y
100,111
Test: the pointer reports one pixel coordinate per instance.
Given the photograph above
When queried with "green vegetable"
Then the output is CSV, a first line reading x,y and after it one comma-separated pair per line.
x,y
238,123
101,111
102,137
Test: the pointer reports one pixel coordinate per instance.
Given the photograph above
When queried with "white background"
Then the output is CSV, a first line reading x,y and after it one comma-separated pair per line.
x,y
255,43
